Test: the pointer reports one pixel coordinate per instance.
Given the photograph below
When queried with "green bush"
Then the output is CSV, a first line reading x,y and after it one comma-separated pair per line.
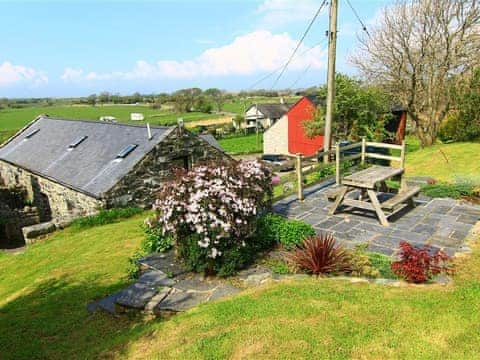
x,y
155,241
444,190
133,269
360,264
293,232
230,262
104,217
268,229
273,228
382,263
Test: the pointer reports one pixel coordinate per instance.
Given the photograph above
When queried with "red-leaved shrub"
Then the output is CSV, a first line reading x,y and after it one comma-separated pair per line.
x,y
320,255
418,265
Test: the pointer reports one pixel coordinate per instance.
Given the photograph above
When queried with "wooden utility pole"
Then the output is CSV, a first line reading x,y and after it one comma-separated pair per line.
x,y
332,49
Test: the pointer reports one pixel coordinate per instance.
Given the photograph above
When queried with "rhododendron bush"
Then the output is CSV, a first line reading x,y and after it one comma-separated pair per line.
x,y
211,211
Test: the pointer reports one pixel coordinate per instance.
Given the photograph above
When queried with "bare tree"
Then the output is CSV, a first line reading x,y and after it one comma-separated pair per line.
x,y
417,50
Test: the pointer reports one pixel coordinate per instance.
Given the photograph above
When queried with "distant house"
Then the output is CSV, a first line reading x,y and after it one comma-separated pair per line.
x,y
71,168
137,117
265,114
287,135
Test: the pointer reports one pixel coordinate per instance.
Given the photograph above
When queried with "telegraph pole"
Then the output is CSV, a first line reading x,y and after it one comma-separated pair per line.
x,y
332,49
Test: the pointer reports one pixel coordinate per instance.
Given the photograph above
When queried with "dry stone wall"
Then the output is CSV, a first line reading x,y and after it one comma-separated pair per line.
x,y
53,200
181,148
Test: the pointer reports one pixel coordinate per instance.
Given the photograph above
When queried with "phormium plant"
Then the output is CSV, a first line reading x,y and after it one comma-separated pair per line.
x,y
320,255
420,264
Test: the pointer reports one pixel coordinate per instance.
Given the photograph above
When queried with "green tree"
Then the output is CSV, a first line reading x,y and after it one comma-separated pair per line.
x,y
359,110
463,123
217,96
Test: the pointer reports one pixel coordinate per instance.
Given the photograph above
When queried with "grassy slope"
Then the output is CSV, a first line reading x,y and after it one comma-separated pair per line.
x,y
463,161
44,291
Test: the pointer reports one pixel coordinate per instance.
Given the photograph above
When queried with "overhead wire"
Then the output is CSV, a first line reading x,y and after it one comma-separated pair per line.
x,y
299,43
364,28
280,67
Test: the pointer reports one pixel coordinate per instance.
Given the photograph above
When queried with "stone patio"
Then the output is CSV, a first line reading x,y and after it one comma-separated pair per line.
x,y
442,223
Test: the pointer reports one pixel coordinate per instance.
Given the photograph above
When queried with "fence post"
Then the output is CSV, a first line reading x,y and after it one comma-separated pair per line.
x,y
364,150
299,177
337,162
402,155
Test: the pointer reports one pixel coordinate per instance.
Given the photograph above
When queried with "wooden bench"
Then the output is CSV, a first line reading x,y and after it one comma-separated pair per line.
x,y
401,198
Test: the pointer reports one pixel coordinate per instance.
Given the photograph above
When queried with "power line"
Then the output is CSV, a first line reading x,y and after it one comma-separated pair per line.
x,y
300,42
364,28
300,76
280,67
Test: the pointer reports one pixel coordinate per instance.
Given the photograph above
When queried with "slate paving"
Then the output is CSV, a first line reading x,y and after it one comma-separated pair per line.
x,y
441,223
165,286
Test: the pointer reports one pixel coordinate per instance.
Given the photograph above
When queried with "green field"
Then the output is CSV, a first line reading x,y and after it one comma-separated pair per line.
x,y
239,106
44,292
243,144
14,119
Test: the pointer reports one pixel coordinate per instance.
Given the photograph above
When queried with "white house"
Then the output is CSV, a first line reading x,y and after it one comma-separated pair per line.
x,y
265,114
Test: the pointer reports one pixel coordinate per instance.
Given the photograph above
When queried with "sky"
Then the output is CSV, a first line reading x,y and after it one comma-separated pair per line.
x,y
72,48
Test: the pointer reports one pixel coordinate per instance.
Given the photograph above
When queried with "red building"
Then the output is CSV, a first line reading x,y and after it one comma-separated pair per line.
x,y
287,135
298,142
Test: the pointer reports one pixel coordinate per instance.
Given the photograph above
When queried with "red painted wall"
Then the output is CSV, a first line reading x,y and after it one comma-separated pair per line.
x,y
298,142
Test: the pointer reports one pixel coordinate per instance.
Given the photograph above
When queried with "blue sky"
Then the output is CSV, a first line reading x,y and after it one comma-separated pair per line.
x,y
78,48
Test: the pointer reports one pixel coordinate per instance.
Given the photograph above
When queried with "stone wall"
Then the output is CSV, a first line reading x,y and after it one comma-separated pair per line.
x,y
53,201
180,148
14,215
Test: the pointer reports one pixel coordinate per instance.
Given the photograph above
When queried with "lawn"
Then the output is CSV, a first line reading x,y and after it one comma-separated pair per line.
x,y
44,292
445,162
13,119
242,144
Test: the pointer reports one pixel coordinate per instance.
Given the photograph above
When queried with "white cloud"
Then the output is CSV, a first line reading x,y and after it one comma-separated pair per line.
x,y
258,51
70,74
11,74
277,13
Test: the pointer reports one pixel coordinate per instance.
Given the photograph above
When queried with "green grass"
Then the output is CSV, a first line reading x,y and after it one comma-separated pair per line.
x,y
104,217
13,119
445,162
242,144
44,291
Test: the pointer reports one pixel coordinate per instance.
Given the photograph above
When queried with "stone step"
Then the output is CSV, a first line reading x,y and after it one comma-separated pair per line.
x,y
156,278
136,295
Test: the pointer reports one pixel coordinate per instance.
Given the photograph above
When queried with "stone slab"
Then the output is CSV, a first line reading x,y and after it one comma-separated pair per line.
x,y
179,300
136,295
156,278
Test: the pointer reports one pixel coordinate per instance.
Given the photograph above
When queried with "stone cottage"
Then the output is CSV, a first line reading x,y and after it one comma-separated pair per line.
x,y
71,168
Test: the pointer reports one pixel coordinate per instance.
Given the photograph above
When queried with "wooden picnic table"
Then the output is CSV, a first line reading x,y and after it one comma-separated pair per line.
x,y
367,181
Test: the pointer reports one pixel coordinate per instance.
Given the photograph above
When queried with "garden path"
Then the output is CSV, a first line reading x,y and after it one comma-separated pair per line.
x,y
442,223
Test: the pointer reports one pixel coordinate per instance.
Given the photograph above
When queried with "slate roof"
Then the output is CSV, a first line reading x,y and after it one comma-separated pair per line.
x,y
273,111
209,138
92,166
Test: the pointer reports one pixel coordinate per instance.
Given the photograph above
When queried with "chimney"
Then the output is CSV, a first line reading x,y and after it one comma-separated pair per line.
x,y
149,132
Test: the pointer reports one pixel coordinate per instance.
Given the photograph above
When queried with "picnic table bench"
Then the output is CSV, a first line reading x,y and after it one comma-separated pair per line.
x,y
366,182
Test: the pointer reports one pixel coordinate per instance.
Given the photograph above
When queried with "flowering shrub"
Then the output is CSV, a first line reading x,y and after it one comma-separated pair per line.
x,y
211,211
418,265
